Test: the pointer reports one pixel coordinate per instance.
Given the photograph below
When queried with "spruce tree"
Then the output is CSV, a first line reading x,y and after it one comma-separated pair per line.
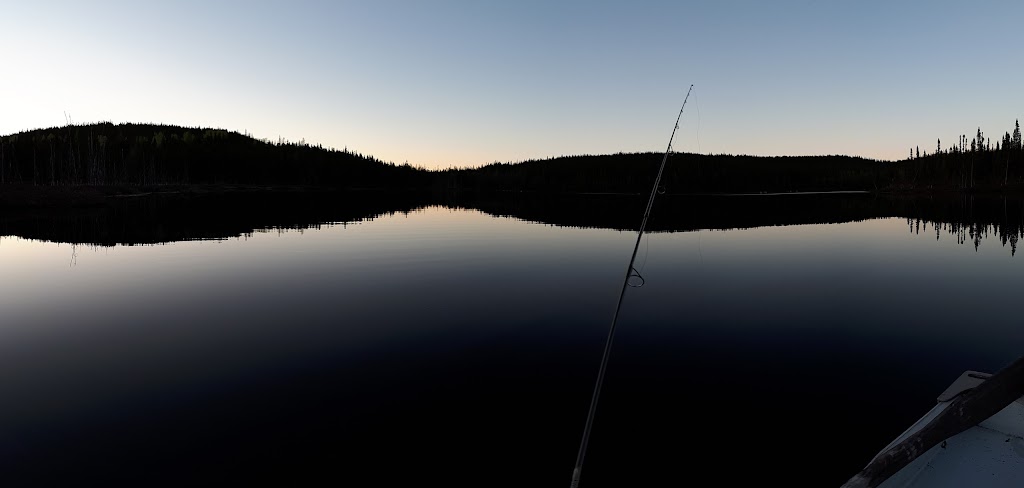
x,y
1015,140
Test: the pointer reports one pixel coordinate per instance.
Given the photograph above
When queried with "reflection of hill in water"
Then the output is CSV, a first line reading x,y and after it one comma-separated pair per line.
x,y
158,219
162,219
682,213
967,218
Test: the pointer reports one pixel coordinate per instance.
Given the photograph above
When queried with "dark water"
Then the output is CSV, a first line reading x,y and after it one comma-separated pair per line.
x,y
386,342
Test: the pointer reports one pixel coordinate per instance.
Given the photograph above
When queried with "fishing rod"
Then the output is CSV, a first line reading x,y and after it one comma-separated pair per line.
x,y
630,272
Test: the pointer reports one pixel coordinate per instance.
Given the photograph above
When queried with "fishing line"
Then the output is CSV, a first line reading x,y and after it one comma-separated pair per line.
x,y
699,252
630,273
647,251
697,103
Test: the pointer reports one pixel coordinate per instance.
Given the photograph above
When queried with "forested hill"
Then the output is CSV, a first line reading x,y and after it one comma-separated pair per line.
x,y
684,173
971,164
146,154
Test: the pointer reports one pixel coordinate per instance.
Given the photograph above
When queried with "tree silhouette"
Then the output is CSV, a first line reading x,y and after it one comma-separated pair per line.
x,y
1015,142
135,155
144,154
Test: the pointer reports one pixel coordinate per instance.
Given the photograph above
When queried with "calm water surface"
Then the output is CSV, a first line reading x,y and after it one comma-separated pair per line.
x,y
454,347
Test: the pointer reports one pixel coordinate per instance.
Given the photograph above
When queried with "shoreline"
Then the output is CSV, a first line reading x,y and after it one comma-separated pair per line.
x,y
24,196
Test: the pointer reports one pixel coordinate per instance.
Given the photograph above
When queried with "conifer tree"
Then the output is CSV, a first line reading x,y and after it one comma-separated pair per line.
x,y
1015,140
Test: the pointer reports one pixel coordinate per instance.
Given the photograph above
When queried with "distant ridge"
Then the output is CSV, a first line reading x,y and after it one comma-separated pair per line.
x,y
106,154
156,154
684,173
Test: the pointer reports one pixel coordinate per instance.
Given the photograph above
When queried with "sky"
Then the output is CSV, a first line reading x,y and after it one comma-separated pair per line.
x,y
463,83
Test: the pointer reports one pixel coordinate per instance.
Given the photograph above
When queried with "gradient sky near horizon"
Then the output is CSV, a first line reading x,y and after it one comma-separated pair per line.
x,y
464,83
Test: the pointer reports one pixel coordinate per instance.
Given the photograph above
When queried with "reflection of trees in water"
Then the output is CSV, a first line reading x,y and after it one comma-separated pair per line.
x,y
150,220
971,219
973,232
155,220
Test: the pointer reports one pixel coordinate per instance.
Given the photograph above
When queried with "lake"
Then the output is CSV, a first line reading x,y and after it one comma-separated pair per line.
x,y
455,341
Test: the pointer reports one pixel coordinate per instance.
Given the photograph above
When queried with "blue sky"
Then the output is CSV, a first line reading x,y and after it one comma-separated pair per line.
x,y
448,83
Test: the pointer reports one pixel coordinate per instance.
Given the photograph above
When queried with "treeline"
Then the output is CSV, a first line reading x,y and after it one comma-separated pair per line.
x,y
145,154
972,164
106,154
969,164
